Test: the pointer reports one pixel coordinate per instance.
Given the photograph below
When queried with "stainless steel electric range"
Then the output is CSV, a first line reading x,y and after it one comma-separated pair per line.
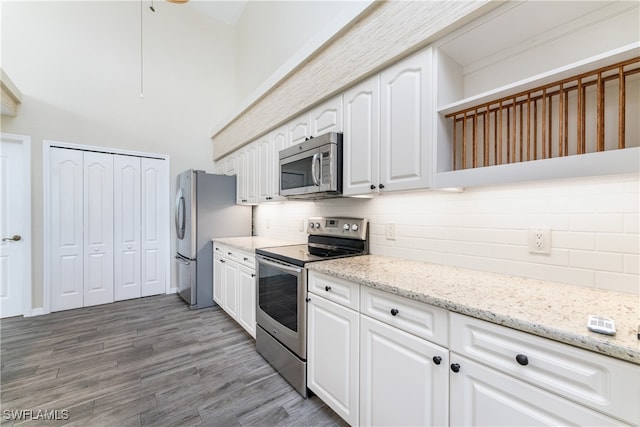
x,y
281,317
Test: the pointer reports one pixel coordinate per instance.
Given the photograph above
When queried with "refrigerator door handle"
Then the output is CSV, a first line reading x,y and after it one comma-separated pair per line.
x,y
180,219
182,260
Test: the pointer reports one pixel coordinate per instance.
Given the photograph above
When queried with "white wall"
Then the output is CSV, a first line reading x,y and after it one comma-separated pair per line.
x,y
269,33
595,227
77,65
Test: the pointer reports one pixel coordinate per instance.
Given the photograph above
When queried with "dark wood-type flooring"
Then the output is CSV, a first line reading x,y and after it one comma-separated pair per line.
x,y
145,362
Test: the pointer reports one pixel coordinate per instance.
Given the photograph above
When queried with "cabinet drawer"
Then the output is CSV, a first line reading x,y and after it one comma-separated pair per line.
x,y
603,383
423,320
218,249
334,289
246,259
231,254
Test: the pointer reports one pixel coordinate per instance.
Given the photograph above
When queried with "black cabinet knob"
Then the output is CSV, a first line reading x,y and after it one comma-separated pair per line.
x,y
381,186
437,360
522,359
455,367
307,299
373,187
245,258
222,261
327,288
229,253
394,311
253,275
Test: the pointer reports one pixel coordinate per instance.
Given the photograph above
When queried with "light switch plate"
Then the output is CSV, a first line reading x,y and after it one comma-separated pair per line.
x,y
391,231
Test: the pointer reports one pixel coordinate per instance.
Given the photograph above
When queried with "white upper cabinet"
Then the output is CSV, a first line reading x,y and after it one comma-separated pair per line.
x,y
268,173
327,117
247,175
361,143
405,123
324,118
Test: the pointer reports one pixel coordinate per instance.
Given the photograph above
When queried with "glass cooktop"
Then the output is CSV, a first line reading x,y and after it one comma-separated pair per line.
x,y
303,253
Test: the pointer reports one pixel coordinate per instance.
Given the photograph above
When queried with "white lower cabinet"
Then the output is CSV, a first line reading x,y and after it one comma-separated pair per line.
x,y
371,344
404,380
481,396
332,356
247,299
234,285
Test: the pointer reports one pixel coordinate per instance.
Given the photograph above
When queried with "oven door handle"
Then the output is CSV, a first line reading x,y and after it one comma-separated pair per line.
x,y
314,174
284,267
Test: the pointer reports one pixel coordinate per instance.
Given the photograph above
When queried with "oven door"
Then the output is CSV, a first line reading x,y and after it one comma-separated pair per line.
x,y
281,294
310,172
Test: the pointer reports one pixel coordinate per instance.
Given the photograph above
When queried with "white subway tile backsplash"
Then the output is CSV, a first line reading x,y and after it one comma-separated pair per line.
x,y
595,227
618,282
599,261
618,242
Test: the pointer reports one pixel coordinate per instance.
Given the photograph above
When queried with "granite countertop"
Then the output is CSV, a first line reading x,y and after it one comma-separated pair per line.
x,y
251,243
546,309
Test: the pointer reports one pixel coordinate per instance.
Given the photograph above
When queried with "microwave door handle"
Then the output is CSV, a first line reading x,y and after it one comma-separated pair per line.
x,y
314,174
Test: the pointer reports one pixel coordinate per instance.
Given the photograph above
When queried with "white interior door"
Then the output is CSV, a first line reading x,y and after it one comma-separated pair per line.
x,y
127,254
98,228
15,193
66,228
155,214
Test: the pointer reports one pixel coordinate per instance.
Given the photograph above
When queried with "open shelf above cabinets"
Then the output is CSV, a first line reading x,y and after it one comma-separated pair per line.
x,y
539,90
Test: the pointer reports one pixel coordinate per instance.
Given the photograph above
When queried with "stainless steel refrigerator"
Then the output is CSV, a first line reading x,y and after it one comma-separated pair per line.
x,y
205,209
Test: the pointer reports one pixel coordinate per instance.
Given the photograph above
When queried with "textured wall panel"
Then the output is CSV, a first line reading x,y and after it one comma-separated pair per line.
x,y
386,32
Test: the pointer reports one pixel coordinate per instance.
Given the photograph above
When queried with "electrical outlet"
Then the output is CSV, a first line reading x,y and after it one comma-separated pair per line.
x,y
268,223
540,240
391,231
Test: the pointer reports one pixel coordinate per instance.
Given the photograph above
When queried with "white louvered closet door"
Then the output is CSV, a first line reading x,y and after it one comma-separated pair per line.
x,y
127,233
98,228
155,220
66,225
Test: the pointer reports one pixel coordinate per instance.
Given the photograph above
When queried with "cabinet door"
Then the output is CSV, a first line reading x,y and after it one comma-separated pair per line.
x,y
65,223
405,121
218,280
361,143
247,299
481,396
327,117
127,255
298,129
98,228
229,167
400,381
230,289
279,142
155,216
251,173
332,356
265,168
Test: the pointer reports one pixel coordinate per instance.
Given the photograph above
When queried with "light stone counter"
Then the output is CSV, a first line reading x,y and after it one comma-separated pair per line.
x,y
251,243
550,310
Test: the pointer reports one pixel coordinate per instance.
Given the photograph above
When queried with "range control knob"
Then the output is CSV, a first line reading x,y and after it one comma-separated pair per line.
x,y
317,225
354,227
312,225
346,227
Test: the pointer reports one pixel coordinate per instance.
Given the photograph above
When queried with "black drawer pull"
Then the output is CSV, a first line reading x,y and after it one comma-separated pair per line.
x,y
327,288
394,312
455,367
522,359
437,360
373,187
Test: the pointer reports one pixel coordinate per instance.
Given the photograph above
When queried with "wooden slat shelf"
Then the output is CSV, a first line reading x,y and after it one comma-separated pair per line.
x,y
548,121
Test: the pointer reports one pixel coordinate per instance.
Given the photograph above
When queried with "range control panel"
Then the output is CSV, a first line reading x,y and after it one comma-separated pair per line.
x,y
354,228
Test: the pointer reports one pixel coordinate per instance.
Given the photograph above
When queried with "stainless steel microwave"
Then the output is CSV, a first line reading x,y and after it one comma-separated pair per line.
x,y
313,168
